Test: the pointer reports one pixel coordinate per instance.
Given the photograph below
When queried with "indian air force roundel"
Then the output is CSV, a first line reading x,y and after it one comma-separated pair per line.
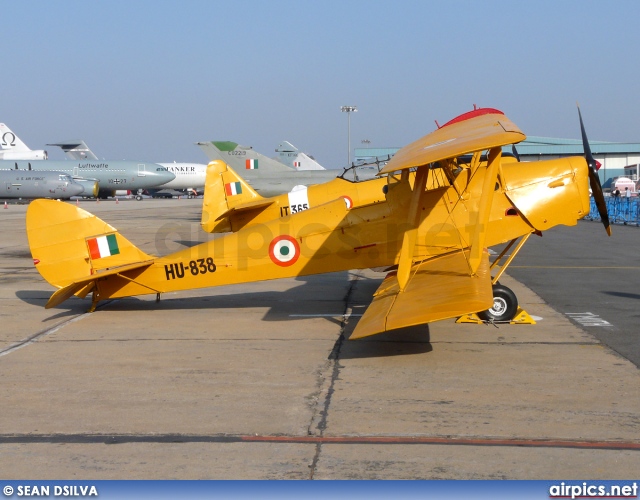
x,y
284,250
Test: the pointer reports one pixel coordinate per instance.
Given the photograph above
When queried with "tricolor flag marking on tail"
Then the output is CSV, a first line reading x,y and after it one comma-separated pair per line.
x,y
296,164
233,188
251,164
103,246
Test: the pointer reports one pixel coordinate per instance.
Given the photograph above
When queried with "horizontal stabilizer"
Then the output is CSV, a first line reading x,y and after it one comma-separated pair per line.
x,y
475,131
247,207
438,289
63,294
76,150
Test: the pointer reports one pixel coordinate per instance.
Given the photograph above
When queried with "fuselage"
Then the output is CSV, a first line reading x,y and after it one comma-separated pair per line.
x,y
111,175
9,154
188,175
30,184
330,238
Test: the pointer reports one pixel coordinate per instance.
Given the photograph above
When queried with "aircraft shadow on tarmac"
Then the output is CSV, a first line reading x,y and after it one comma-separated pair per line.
x,y
39,298
405,341
281,304
623,295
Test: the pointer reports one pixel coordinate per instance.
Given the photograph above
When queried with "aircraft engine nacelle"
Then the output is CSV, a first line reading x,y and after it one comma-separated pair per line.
x,y
550,192
39,154
90,187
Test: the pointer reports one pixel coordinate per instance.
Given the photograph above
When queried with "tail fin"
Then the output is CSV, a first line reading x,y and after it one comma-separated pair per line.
x,y
10,141
12,148
72,248
290,156
76,150
225,191
241,158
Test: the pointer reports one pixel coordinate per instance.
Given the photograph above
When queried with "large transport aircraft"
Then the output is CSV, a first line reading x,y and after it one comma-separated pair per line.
x,y
14,149
110,175
189,177
27,184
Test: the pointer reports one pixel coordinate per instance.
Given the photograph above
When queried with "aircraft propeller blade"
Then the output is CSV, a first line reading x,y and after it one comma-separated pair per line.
x,y
594,179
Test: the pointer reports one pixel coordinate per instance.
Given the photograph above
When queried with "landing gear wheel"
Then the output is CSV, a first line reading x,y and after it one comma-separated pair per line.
x,y
505,305
139,198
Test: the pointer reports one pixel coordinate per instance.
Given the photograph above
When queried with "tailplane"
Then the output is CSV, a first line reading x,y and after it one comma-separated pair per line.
x,y
76,150
72,248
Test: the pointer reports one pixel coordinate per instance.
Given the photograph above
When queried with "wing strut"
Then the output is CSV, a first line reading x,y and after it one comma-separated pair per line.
x,y
484,209
411,234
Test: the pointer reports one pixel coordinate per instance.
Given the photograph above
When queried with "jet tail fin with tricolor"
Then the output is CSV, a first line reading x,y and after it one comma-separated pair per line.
x,y
241,158
292,157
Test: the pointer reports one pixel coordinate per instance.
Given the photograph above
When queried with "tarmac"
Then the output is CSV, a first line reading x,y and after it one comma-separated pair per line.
x,y
258,381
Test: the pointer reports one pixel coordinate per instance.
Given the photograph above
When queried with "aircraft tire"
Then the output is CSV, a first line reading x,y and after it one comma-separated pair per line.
x,y
139,198
505,305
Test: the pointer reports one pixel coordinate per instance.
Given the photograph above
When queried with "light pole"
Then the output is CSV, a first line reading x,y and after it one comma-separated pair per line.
x,y
348,110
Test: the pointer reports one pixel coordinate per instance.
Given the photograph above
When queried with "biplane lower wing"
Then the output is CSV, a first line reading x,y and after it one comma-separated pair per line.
x,y
438,289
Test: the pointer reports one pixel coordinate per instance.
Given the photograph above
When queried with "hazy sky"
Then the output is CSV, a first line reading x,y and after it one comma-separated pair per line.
x,y
144,80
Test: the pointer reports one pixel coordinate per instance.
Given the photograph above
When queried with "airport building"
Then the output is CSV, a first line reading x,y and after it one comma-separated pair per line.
x,y
618,159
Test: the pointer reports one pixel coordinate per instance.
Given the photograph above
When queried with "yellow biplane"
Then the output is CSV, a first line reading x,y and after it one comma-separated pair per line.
x,y
429,219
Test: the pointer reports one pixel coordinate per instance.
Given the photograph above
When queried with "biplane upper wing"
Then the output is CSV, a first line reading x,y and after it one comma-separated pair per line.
x,y
439,288
477,130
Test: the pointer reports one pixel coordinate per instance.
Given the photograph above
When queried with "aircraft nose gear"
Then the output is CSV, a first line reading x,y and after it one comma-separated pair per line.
x,y
505,305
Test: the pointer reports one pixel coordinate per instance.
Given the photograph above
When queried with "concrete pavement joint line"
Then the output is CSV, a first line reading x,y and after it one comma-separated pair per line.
x,y
43,333
317,440
334,356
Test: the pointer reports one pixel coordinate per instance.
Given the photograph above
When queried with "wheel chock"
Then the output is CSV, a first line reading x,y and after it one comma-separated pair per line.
x,y
521,318
470,318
